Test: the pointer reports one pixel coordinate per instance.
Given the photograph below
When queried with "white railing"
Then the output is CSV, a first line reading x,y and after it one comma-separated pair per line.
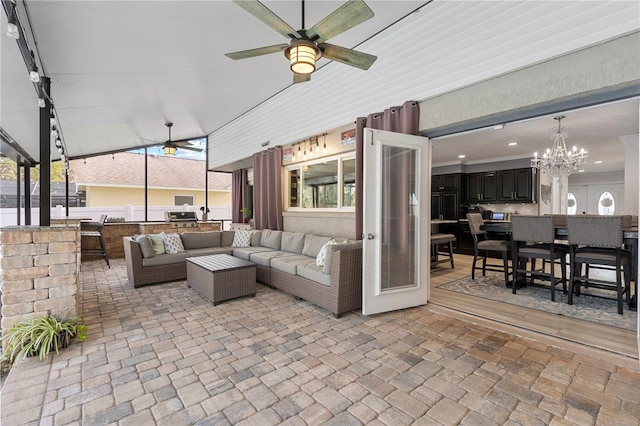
x,y
130,213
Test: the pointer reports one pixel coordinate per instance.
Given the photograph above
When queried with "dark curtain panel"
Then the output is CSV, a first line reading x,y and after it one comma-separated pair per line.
x,y
267,189
238,196
399,119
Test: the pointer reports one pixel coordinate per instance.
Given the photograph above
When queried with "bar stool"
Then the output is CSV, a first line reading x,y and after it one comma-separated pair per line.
x,y
538,235
437,240
481,243
597,240
93,231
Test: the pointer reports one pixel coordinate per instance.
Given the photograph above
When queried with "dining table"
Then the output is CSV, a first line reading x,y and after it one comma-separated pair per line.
x,y
630,239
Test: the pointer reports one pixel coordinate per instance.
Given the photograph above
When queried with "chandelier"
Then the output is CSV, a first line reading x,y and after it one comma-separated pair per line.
x,y
558,160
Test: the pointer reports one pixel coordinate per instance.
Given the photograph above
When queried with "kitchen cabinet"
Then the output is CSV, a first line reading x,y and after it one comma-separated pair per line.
x,y
516,185
481,187
444,206
450,182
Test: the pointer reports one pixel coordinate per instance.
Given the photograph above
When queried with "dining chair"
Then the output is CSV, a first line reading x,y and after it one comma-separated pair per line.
x,y
598,240
482,243
533,238
93,231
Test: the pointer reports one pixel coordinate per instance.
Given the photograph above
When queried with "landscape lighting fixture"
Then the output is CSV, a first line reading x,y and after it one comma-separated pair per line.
x,y
34,75
41,103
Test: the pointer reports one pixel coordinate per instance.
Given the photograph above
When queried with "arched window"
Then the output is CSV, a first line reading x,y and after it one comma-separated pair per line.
x,y
572,204
606,204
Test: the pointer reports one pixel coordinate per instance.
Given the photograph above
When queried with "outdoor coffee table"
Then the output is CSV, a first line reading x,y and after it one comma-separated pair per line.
x,y
221,277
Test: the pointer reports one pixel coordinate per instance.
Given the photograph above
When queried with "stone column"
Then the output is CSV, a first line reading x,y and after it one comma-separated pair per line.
x,y
38,272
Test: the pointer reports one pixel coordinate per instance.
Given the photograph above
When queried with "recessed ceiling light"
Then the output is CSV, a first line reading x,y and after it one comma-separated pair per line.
x,y
512,143
581,171
597,162
498,127
462,156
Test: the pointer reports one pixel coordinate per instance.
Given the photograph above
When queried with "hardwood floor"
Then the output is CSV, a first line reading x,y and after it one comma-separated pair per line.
x,y
613,339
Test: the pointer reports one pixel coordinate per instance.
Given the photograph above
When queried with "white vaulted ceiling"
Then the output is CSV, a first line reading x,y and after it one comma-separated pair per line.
x,y
119,69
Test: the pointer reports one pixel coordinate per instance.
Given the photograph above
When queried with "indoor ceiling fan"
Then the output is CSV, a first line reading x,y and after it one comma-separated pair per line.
x,y
170,147
308,46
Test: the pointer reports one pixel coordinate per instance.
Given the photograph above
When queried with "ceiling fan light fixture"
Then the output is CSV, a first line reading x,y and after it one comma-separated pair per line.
x,y
169,149
302,55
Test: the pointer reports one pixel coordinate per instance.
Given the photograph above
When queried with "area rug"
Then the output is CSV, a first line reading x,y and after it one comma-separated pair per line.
x,y
589,308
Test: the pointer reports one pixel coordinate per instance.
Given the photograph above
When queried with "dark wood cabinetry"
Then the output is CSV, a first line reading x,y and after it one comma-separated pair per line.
x,y
444,206
450,182
516,185
481,187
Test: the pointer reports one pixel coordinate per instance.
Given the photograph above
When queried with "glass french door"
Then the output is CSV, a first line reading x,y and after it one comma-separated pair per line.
x,y
396,221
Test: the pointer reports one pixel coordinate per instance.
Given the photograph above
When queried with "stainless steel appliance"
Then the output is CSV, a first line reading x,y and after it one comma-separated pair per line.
x,y
181,219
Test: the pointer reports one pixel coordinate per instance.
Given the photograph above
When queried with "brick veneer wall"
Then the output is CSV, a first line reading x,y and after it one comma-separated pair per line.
x,y
38,272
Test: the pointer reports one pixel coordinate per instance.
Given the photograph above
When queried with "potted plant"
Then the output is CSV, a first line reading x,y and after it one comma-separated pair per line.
x,y
40,336
204,213
246,212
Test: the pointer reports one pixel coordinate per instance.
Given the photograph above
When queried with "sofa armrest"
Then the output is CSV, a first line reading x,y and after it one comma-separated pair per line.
x,y
346,278
133,258
333,249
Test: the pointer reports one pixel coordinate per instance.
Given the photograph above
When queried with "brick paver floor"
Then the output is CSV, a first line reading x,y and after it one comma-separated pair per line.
x,y
163,354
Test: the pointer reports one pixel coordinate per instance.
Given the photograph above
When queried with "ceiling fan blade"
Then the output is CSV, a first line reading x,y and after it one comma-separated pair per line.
x,y
243,54
350,14
264,14
301,78
189,148
347,56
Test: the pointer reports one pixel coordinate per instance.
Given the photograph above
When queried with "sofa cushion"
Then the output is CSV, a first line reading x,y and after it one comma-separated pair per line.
x,y
172,243
292,242
209,251
310,271
255,238
289,264
145,245
322,254
242,238
157,243
313,244
198,240
335,247
165,259
271,239
226,238
245,253
264,257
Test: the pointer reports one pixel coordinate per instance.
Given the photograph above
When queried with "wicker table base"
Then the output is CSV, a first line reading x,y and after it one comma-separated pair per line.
x,y
221,277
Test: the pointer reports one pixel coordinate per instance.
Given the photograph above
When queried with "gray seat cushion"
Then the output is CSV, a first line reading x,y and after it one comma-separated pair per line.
x,y
226,238
313,244
246,252
199,240
271,239
264,258
494,245
209,251
312,272
289,264
166,259
292,242
145,245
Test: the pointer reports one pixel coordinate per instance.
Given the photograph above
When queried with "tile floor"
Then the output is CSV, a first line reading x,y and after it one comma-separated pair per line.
x,y
163,355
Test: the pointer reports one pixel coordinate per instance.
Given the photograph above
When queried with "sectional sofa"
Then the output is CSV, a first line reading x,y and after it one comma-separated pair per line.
x,y
284,260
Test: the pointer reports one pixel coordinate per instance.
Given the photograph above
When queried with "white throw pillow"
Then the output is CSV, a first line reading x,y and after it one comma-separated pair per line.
x,y
172,243
242,238
322,254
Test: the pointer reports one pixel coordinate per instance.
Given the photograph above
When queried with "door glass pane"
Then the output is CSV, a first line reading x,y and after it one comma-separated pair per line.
x,y
572,204
606,204
400,198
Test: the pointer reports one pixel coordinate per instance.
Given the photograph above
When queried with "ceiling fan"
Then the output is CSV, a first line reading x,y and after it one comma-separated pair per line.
x,y
170,147
308,46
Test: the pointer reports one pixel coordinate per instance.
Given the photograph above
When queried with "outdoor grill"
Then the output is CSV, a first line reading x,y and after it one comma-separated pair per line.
x,y
181,219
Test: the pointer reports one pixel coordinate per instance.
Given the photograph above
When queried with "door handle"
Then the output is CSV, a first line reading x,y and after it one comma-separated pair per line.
x,y
370,236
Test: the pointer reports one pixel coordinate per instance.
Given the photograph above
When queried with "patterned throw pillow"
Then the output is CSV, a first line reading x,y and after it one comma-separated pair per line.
x,y
172,243
242,238
322,255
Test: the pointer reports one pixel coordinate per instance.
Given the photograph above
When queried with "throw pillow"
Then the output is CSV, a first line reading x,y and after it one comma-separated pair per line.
x,y
157,243
172,243
322,255
145,245
242,238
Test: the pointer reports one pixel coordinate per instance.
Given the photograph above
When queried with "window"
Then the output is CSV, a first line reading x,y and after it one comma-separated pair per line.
x,y
179,200
606,204
572,204
322,184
